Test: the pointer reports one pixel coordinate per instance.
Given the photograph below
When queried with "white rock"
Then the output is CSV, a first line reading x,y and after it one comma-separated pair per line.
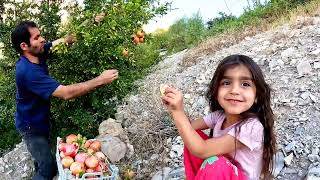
x,y
314,171
288,52
112,147
305,95
288,159
313,98
316,52
162,174
178,149
304,68
278,164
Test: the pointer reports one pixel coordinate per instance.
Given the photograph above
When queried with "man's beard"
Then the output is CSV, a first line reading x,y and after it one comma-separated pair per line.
x,y
40,54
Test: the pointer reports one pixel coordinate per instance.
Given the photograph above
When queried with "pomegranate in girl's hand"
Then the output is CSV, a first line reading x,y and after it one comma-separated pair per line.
x,y
67,161
163,89
92,162
71,138
71,150
96,145
77,168
61,146
100,156
81,157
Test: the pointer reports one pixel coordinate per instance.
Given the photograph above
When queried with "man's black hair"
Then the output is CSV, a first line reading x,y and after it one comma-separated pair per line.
x,y
21,34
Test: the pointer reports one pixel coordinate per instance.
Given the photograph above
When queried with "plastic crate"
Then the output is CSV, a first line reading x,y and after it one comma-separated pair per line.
x,y
65,174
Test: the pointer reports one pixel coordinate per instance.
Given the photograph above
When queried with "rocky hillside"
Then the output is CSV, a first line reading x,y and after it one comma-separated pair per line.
x,y
290,58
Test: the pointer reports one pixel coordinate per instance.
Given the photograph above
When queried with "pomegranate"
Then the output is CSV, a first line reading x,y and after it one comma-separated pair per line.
x,y
77,168
135,39
102,167
140,33
100,156
96,146
87,143
81,157
125,52
141,40
71,138
163,89
62,154
61,146
71,150
92,162
67,161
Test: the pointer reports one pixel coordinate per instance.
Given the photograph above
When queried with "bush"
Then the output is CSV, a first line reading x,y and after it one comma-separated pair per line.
x,y
185,33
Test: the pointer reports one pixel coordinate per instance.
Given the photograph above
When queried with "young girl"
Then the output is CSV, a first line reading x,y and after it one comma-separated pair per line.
x,y
243,141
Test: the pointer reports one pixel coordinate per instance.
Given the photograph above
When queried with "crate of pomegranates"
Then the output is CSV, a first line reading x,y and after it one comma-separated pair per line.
x,y
81,158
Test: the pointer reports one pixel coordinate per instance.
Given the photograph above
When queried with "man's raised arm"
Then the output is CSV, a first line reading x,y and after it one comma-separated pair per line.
x,y
75,90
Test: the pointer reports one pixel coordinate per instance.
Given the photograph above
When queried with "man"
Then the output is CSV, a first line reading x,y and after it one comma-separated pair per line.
x,y
34,89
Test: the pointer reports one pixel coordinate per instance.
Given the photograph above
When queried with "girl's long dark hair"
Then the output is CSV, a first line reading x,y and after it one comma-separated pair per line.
x,y
261,109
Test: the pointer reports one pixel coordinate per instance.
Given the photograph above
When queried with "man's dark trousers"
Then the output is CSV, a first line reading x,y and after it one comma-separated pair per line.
x,y
39,147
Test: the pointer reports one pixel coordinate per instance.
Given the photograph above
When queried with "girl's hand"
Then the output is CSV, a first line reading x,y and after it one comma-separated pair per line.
x,y
173,100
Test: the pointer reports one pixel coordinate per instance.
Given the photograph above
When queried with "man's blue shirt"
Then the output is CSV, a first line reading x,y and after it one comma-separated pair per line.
x,y
34,88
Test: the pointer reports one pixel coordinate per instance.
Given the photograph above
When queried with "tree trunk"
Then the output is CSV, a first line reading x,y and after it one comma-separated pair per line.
x,y
1,10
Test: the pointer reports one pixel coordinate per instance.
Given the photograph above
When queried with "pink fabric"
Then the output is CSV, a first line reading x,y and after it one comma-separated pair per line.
x,y
250,133
216,167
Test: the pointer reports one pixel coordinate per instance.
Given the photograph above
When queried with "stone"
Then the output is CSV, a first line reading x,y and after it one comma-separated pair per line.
x,y
316,52
278,163
316,65
179,172
112,147
313,98
288,52
290,146
110,127
314,171
162,174
305,95
178,149
313,158
304,68
154,157
288,159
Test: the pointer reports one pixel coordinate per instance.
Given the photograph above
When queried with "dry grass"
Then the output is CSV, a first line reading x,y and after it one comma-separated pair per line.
x,y
297,18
